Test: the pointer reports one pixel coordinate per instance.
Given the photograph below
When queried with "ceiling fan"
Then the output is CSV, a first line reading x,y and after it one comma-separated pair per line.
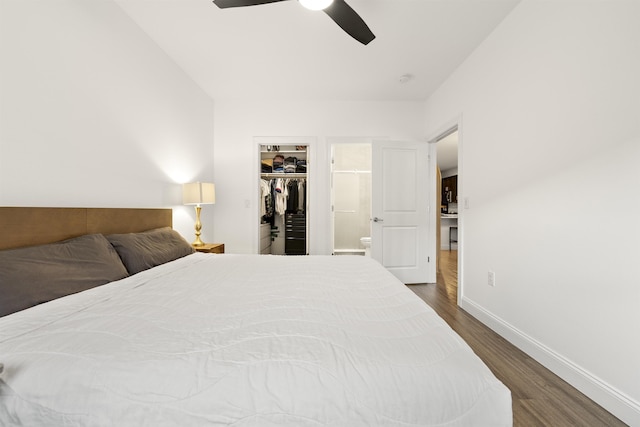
x,y
338,10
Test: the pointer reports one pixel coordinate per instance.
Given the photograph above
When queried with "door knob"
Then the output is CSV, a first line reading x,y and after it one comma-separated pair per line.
x,y
376,219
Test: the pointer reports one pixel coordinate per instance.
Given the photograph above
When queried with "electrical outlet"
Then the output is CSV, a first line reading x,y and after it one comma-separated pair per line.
x,y
492,278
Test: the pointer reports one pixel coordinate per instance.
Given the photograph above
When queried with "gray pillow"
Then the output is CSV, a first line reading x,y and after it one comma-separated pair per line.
x,y
37,274
141,251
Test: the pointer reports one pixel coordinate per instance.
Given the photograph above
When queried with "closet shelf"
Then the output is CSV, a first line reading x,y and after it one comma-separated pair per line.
x,y
284,151
283,175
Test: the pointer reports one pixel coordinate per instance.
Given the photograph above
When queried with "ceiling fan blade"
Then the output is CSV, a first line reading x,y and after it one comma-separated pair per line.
x,y
223,4
350,21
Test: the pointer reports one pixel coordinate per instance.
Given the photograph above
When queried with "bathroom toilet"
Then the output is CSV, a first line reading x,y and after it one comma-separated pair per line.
x,y
366,242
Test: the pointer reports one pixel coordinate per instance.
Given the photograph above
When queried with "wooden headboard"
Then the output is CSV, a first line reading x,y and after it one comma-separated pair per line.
x,y
25,226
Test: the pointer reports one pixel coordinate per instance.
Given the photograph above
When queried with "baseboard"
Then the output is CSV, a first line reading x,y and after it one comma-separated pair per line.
x,y
348,251
613,400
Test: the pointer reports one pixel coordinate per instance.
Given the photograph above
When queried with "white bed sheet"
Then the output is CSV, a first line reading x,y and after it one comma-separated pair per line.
x,y
244,340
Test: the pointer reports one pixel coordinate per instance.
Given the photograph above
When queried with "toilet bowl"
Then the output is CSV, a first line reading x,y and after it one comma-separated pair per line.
x,y
366,242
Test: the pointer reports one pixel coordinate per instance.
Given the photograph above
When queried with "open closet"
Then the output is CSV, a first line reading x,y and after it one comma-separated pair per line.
x,y
283,199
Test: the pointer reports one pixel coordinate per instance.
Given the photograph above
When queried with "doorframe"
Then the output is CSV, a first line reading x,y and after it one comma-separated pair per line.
x,y
444,130
331,142
312,174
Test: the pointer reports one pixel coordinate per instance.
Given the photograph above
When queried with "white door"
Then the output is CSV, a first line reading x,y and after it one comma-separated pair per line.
x,y
400,209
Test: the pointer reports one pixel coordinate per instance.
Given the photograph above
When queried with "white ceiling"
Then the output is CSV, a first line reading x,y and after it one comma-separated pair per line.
x,y
284,51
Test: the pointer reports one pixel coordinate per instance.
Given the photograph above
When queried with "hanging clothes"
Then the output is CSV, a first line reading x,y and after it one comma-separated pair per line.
x,y
292,199
302,195
265,193
281,196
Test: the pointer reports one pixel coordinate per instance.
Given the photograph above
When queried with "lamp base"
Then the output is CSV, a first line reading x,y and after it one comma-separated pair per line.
x,y
198,241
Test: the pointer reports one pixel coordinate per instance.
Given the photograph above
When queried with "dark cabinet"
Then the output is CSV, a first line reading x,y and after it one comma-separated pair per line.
x,y
295,234
450,190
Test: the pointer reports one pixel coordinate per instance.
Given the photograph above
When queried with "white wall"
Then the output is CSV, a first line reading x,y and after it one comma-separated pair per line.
x,y
93,113
550,108
239,122
449,172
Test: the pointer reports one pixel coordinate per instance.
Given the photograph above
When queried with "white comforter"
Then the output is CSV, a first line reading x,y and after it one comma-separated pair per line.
x,y
244,340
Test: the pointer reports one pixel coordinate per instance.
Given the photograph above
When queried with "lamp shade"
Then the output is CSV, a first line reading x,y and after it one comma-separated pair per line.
x,y
198,193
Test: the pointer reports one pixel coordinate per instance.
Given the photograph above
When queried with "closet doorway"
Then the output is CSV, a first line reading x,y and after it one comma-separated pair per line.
x,y
283,196
351,196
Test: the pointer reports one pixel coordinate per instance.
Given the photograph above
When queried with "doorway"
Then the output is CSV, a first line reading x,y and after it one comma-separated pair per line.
x,y
379,204
351,197
447,146
283,194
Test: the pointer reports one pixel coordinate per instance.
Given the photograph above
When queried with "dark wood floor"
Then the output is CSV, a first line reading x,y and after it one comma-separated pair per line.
x,y
540,398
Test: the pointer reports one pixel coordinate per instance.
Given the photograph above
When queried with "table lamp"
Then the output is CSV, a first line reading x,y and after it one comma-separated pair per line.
x,y
198,193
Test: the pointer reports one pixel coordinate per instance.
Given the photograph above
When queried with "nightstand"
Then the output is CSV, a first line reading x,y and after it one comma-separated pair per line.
x,y
211,248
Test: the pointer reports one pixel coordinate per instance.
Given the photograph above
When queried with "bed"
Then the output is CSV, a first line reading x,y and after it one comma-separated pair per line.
x,y
220,339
